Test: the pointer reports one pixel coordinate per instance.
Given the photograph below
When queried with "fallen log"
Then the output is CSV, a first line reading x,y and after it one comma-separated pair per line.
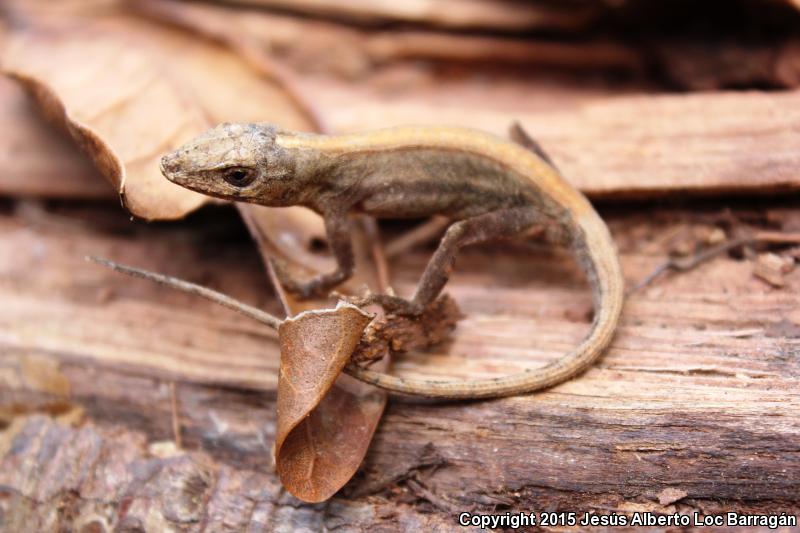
x,y
697,394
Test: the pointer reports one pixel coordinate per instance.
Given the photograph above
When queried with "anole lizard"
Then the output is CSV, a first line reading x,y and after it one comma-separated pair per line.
x,y
487,186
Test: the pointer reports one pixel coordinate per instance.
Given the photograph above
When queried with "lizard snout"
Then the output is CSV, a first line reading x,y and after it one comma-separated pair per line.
x,y
170,165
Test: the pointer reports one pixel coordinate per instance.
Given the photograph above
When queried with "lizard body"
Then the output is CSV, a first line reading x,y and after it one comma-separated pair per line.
x,y
488,187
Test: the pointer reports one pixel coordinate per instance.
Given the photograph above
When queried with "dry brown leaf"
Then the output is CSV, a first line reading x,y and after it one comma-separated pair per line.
x,y
186,81
164,88
37,161
317,449
338,417
326,419
117,105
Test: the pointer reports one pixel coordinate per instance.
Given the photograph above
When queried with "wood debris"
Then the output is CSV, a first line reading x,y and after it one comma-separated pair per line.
x,y
773,268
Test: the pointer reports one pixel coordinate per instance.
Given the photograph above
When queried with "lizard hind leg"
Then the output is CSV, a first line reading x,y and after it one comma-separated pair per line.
x,y
503,223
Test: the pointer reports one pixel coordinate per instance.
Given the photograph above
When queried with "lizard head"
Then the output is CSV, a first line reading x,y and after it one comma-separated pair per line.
x,y
234,161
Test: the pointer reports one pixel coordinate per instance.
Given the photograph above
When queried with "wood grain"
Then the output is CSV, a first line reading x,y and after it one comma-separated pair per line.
x,y
314,46
699,391
452,14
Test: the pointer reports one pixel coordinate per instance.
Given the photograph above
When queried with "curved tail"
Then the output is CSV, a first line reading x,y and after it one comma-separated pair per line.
x,y
598,257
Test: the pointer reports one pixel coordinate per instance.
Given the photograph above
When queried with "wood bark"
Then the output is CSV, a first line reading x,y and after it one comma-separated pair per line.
x,y
698,392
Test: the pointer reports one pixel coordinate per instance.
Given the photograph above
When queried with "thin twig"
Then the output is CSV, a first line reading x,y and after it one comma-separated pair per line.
x,y
192,288
688,263
267,252
777,237
421,234
378,254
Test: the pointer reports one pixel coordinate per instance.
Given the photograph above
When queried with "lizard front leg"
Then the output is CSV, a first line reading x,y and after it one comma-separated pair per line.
x,y
337,230
497,224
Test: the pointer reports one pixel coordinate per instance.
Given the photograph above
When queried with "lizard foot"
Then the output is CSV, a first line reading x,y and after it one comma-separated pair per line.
x,y
391,304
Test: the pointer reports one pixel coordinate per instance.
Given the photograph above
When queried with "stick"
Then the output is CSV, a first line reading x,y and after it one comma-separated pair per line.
x,y
192,288
423,233
684,264
378,254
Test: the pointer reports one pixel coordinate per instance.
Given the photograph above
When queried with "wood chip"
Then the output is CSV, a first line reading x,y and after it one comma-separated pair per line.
x,y
671,495
773,268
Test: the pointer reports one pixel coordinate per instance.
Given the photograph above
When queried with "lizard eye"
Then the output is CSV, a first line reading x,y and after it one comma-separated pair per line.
x,y
239,177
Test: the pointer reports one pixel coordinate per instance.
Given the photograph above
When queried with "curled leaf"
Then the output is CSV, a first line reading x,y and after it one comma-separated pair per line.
x,y
325,426
118,107
127,92
313,455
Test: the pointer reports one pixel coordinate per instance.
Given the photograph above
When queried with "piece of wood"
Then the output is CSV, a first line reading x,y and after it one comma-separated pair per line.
x,y
314,46
634,146
703,65
698,392
57,478
452,14
106,298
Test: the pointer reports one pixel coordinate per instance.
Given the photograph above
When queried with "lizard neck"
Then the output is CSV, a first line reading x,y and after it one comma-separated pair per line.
x,y
319,182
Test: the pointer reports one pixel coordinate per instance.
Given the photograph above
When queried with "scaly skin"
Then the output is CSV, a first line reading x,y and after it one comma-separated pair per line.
x,y
489,187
